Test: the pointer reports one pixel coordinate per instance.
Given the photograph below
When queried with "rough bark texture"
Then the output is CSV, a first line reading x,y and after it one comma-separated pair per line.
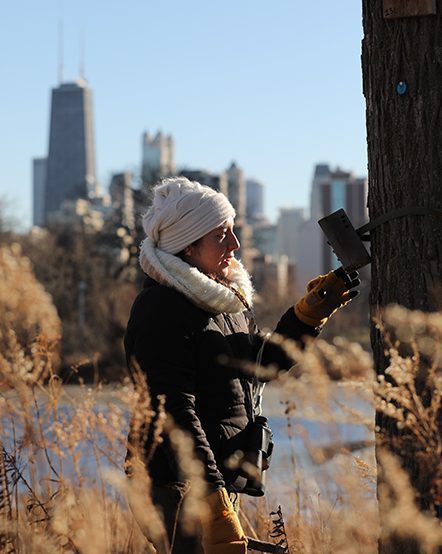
x,y
404,136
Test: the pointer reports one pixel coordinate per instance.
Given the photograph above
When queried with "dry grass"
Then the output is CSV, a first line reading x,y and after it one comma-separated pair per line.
x,y
62,488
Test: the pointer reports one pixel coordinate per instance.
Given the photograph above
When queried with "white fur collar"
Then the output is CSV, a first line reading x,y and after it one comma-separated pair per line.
x,y
200,289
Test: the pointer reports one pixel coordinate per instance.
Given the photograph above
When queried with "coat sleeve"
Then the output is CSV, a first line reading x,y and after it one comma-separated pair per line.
x,y
163,346
290,327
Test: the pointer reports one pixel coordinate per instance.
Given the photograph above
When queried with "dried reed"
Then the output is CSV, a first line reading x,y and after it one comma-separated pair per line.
x,y
62,486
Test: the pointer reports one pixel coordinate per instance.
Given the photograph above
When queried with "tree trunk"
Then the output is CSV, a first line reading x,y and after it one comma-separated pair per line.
x,y
402,81
404,135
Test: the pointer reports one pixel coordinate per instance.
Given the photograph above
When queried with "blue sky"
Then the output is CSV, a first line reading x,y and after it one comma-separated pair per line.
x,y
275,86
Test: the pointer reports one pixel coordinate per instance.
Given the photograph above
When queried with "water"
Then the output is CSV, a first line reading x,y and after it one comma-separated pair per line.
x,y
300,435
308,468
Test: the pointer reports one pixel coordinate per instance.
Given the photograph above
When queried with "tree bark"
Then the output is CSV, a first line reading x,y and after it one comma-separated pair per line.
x,y
404,136
402,85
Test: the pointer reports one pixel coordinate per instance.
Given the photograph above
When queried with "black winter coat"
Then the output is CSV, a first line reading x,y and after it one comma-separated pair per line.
x,y
184,352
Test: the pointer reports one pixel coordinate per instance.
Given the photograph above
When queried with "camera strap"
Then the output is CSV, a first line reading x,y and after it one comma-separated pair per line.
x,y
258,386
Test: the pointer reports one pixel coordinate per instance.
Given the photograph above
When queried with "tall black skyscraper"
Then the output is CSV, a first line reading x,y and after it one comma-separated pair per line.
x,y
71,158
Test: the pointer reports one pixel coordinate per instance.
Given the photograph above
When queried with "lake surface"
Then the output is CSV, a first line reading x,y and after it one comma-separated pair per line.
x,y
308,439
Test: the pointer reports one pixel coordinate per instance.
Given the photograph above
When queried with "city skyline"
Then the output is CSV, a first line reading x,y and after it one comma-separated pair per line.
x,y
272,97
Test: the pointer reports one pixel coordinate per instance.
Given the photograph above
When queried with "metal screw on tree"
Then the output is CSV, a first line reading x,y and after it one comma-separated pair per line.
x,y
401,88
347,242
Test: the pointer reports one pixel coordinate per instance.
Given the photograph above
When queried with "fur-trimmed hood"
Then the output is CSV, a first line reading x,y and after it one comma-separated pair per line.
x,y
202,290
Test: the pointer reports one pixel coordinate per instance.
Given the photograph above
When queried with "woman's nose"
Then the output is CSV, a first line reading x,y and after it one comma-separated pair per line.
x,y
233,241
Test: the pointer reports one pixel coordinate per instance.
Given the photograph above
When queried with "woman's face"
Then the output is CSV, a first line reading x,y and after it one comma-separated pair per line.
x,y
213,253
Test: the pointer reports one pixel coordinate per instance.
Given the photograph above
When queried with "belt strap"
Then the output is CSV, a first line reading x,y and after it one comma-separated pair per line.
x,y
412,210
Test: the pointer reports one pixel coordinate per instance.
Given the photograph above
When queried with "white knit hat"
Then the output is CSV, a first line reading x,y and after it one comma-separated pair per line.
x,y
182,212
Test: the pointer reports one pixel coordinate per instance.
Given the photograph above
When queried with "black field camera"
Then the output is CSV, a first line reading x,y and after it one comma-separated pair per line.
x,y
258,448
347,242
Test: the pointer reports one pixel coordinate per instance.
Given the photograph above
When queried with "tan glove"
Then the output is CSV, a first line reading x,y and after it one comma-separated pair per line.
x,y
222,531
325,295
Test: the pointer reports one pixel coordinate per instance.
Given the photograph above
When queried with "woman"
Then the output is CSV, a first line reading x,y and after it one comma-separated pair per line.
x,y
192,316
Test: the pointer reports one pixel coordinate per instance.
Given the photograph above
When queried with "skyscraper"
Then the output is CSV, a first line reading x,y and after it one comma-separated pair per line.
x,y
237,191
216,181
122,196
331,190
71,157
158,158
290,222
254,201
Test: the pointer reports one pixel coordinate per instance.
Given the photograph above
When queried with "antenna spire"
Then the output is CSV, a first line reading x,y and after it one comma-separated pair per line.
x,y
82,56
60,52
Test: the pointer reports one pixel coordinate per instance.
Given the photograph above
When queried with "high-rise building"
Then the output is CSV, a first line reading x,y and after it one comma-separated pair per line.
x,y
38,190
122,197
236,191
331,190
274,279
254,201
216,181
265,239
158,158
71,157
321,175
289,224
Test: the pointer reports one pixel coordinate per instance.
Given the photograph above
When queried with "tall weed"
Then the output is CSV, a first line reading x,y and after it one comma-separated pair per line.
x,y
62,453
